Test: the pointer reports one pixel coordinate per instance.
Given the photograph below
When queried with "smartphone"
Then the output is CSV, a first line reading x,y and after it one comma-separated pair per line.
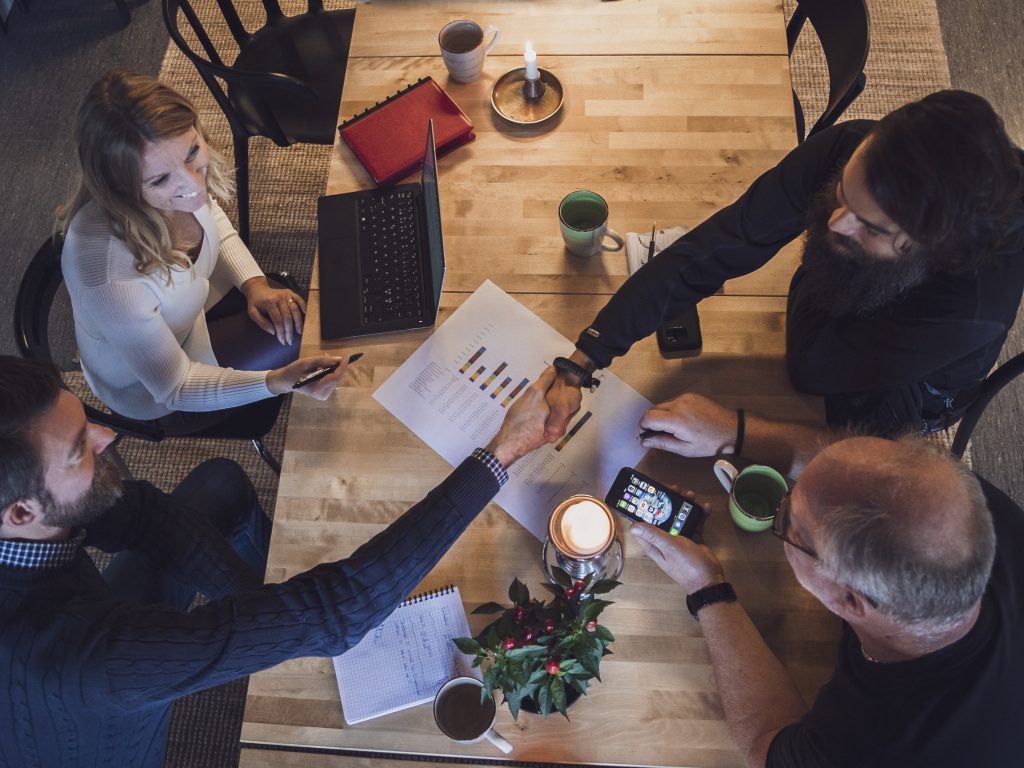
x,y
637,497
680,336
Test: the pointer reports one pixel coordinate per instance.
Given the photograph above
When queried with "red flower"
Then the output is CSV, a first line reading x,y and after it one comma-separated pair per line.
x,y
552,666
508,643
592,625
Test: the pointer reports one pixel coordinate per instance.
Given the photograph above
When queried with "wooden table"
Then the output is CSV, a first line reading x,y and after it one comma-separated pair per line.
x,y
671,137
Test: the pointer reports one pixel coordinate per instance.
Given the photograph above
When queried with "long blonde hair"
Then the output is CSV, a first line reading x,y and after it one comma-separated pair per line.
x,y
123,113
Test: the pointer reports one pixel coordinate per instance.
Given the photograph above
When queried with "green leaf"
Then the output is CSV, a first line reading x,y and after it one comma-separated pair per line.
x,y
491,679
603,633
467,645
561,577
544,700
518,593
580,684
603,585
513,707
537,676
591,661
558,696
489,608
592,609
572,667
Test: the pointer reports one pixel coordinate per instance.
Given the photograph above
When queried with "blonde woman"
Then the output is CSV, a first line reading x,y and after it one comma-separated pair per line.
x,y
175,322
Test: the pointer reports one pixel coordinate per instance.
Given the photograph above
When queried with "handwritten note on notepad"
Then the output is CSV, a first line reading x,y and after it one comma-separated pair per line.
x,y
405,660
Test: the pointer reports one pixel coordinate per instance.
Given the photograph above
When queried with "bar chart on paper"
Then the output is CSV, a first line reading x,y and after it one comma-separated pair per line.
x,y
454,391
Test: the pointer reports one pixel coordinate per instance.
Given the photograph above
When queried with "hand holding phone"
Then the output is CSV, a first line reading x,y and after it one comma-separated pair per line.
x,y
637,497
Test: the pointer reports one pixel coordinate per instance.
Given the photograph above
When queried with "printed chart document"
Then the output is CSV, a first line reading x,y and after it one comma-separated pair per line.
x,y
406,660
455,389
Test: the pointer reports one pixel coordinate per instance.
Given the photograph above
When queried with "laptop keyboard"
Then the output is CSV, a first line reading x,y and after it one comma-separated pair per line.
x,y
391,265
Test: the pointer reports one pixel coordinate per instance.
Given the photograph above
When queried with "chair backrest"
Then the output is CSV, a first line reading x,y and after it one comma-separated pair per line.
x,y
843,27
32,306
35,298
991,387
244,100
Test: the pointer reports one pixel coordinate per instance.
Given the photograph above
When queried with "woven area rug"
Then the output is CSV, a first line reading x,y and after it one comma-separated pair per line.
x,y
906,62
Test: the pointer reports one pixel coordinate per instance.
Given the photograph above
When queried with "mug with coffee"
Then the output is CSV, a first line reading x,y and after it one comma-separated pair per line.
x,y
583,218
463,49
754,494
462,717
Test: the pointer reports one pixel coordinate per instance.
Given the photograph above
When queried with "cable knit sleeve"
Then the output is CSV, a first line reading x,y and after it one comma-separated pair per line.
x,y
235,263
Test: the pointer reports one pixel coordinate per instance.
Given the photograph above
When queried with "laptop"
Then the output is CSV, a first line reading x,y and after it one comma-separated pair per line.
x,y
381,256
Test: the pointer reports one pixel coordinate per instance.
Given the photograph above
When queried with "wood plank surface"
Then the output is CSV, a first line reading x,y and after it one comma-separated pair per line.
x,y
588,27
339,486
671,139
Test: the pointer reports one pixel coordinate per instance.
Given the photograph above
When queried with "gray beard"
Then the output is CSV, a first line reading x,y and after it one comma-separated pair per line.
x,y
846,279
102,495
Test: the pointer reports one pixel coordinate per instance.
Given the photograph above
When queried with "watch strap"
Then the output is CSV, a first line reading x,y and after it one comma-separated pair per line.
x,y
586,377
716,593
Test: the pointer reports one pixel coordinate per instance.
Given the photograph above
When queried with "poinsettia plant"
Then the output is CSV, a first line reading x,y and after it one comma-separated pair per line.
x,y
536,652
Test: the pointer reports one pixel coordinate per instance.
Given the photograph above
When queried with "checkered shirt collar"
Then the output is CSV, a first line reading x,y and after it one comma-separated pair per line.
x,y
22,553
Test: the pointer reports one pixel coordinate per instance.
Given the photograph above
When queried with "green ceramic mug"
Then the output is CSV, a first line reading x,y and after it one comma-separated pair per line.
x,y
754,494
583,218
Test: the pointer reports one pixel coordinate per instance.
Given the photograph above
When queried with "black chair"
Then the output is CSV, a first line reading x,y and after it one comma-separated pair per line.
x,y
285,83
991,387
843,28
32,307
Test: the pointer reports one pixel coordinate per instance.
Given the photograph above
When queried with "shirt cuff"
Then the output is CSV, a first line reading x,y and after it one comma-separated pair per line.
x,y
487,458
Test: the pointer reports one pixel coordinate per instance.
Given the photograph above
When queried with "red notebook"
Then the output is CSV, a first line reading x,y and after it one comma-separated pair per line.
x,y
388,138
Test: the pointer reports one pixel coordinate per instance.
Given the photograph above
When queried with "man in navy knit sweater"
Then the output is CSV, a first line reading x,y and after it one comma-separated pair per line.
x,y
92,662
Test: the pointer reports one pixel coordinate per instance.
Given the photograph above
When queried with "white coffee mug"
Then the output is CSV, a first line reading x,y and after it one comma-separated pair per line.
x,y
463,48
461,716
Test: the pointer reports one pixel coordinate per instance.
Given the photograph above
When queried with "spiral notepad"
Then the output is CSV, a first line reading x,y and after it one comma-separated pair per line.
x,y
405,660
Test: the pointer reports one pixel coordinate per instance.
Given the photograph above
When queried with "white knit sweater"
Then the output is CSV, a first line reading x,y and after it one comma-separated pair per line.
x,y
144,344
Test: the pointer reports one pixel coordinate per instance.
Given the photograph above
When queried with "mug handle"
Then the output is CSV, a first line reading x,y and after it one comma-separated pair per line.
x,y
619,242
498,740
487,50
726,474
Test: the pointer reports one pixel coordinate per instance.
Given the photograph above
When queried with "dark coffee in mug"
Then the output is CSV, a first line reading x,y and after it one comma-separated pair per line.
x,y
462,38
758,495
583,214
460,715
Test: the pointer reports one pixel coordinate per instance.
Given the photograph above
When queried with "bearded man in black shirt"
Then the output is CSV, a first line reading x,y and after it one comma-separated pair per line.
x,y
912,272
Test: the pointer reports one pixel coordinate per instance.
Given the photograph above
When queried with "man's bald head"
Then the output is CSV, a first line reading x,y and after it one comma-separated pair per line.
x,y
902,523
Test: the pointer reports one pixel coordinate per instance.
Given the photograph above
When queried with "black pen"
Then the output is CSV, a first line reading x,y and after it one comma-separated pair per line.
x,y
646,433
651,245
319,373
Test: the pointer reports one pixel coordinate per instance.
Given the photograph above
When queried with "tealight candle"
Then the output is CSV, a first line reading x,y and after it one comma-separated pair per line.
x,y
530,57
585,527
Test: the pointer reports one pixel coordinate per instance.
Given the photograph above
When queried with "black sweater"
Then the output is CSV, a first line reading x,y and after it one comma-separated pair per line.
x,y
88,679
947,331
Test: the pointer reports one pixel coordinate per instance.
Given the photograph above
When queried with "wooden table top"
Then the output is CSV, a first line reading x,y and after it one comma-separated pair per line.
x,y
668,137
665,138
576,27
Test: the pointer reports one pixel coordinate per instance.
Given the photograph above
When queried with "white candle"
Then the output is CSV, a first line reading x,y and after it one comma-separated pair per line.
x,y
585,527
530,57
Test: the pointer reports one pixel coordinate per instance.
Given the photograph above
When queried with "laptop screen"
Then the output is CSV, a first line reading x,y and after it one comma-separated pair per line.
x,y
432,208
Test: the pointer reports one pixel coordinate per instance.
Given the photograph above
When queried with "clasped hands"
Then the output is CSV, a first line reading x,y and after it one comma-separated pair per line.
x,y
279,311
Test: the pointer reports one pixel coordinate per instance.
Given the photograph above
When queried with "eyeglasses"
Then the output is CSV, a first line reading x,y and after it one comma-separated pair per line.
x,y
781,526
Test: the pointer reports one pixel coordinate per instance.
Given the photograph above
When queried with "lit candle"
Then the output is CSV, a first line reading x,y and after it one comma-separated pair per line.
x,y
530,57
586,527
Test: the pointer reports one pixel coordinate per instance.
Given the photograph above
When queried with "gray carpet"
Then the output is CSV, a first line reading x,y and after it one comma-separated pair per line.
x,y
52,54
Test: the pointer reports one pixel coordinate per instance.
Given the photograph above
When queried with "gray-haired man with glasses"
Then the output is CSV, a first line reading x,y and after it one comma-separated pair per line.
x,y
919,558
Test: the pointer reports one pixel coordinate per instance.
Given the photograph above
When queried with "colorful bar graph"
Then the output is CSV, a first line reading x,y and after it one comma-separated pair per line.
x,y
500,387
512,395
575,428
490,379
477,372
473,359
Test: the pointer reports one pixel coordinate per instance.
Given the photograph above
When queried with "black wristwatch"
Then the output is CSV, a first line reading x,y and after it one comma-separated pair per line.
x,y
716,593
586,377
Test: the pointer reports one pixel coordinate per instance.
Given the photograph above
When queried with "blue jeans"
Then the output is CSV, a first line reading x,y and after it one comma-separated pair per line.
x,y
220,491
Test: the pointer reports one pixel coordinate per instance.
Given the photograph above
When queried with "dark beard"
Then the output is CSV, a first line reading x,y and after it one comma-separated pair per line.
x,y
101,496
846,279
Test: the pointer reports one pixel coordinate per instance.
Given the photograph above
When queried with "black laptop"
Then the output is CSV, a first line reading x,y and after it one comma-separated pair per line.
x,y
381,256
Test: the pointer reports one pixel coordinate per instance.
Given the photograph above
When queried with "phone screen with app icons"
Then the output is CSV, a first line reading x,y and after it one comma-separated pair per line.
x,y
638,497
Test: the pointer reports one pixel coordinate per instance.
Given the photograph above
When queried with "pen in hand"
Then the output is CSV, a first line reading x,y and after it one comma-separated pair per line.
x,y
319,373
646,433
